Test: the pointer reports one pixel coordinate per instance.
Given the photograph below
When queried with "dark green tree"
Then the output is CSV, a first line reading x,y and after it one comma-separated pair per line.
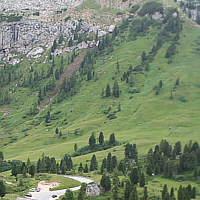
x,y
193,193
93,163
1,156
142,180
145,193
85,169
116,89
149,170
108,93
57,131
177,81
75,147
144,57
114,162
127,190
92,141
69,195
172,192
134,176
14,170
117,66
2,189
32,170
108,163
164,191
80,169
47,117
101,138
112,138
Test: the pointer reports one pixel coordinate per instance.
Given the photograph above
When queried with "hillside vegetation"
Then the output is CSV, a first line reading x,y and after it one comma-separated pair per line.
x,y
139,86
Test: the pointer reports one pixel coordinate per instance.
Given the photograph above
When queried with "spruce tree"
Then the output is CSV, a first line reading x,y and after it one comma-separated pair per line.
x,y
142,180
108,163
172,192
164,191
145,193
2,189
69,195
116,89
92,141
101,138
85,169
32,170
134,176
108,93
149,170
127,190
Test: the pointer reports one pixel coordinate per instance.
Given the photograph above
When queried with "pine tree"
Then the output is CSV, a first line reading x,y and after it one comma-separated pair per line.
x,y
32,170
142,180
145,193
134,176
117,66
92,141
127,190
144,57
80,169
94,163
108,93
149,170
75,147
108,163
28,164
14,170
164,191
116,89
101,138
2,189
193,193
172,192
57,131
81,194
85,169
69,195
112,138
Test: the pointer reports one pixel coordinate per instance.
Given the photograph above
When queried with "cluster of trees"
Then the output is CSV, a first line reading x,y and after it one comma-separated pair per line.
x,y
130,151
68,87
109,163
183,193
158,163
108,93
47,164
4,166
150,8
94,146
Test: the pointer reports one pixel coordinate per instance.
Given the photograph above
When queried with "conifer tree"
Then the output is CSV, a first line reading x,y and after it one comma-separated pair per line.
x,y
134,176
101,138
108,93
164,191
2,189
145,193
85,169
142,180
116,89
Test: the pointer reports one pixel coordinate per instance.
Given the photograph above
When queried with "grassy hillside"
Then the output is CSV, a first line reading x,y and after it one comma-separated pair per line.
x,y
144,117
